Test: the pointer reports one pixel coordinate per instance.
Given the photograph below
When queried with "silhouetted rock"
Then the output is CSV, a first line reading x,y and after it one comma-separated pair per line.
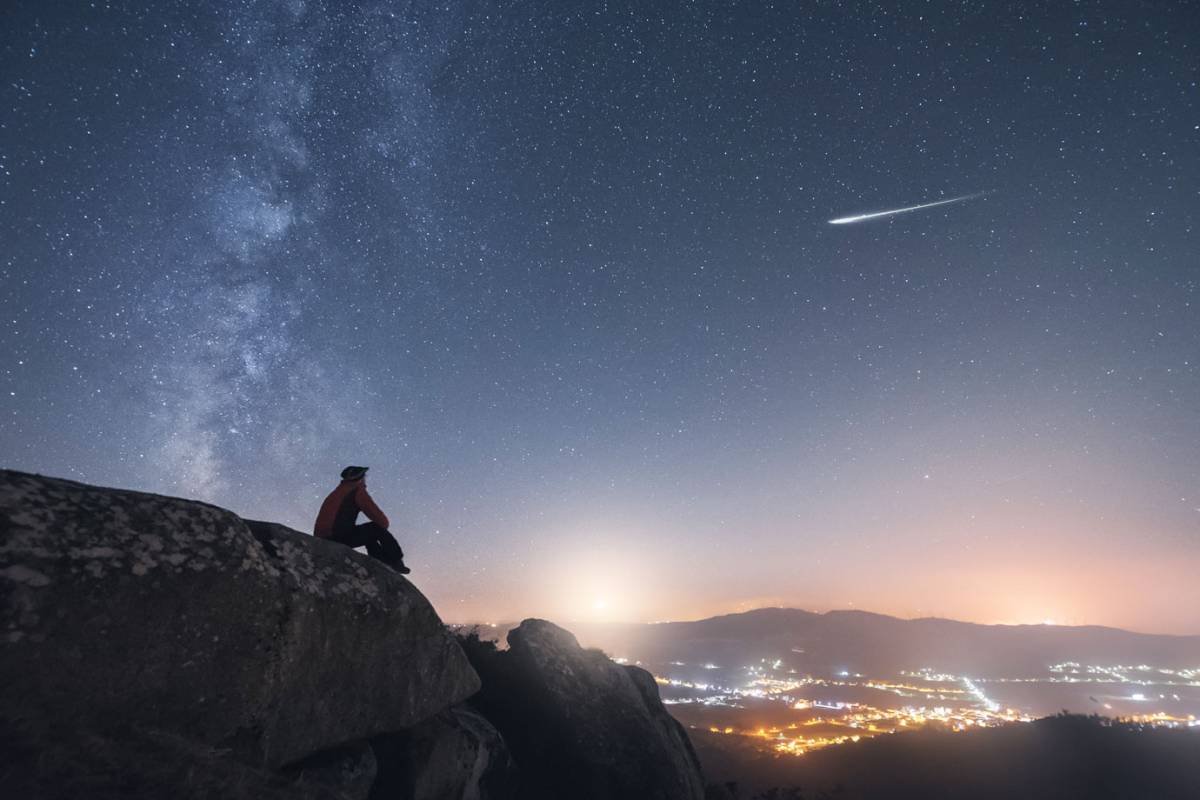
x,y
159,647
457,754
178,618
579,725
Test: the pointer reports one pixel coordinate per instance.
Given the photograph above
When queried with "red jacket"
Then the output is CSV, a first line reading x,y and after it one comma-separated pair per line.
x,y
341,508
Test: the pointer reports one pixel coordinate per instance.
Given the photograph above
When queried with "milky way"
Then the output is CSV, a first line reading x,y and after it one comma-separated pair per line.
x,y
560,273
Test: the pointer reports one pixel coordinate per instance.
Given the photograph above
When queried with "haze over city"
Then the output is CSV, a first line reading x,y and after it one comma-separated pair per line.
x,y
563,275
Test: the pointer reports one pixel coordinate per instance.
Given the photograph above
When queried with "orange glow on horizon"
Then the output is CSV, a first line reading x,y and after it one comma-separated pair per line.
x,y
1017,592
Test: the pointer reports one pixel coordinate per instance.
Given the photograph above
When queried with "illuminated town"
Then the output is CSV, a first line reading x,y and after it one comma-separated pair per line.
x,y
775,708
783,705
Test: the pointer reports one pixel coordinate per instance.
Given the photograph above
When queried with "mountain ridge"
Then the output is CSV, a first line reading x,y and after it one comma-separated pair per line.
x,y
864,641
863,613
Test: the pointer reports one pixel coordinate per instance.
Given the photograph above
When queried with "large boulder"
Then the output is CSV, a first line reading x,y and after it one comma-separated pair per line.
x,y
179,617
578,724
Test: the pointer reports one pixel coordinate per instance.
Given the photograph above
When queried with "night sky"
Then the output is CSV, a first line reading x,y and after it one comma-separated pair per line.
x,y
562,275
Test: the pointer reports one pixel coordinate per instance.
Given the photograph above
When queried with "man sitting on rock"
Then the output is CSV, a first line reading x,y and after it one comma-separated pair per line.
x,y
340,510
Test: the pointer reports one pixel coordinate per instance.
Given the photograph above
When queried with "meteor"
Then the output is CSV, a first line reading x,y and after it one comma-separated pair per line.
x,y
876,214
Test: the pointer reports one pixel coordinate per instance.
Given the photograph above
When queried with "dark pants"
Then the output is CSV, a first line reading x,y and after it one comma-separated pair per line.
x,y
380,544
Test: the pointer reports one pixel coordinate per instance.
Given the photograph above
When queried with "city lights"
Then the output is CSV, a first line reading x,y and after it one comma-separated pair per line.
x,y
809,712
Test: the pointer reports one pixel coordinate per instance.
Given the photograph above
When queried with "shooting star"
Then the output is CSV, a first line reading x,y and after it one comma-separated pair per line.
x,y
877,214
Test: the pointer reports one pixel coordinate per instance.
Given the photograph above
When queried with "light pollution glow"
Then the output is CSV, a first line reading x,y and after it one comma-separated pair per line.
x,y
951,547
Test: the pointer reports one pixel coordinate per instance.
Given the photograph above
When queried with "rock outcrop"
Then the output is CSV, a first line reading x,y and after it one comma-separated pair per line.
x,y
579,725
180,618
153,646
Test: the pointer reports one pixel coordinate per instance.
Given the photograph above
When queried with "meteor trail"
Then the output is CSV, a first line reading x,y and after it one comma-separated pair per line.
x,y
874,215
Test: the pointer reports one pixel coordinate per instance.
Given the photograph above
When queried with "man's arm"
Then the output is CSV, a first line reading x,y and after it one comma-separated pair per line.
x,y
367,506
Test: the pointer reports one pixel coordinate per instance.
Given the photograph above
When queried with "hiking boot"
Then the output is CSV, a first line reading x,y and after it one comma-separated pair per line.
x,y
403,570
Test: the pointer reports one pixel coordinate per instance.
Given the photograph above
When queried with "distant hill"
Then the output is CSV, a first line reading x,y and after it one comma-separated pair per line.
x,y
858,641
1057,758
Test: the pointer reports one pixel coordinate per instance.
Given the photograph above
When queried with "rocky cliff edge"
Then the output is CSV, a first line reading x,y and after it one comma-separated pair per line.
x,y
152,646
180,617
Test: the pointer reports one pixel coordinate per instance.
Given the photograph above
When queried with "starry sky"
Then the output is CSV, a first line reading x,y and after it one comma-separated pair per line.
x,y
562,274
